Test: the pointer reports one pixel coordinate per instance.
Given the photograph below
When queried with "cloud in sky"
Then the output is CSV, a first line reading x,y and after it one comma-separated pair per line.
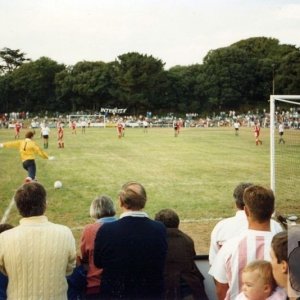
x,y
179,32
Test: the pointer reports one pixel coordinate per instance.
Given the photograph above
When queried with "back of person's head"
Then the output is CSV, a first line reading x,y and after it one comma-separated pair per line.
x,y
294,257
5,226
133,196
260,202
29,135
102,206
238,194
280,246
263,271
30,199
168,217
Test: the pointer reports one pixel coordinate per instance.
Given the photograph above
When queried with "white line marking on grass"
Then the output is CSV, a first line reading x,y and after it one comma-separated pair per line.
x,y
7,211
181,221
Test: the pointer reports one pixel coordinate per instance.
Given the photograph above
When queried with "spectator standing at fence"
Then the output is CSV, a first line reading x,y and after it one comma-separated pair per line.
x,y
252,244
103,211
131,250
36,255
281,132
181,276
233,226
28,150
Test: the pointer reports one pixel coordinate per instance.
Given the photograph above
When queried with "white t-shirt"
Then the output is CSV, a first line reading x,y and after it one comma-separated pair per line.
x,y
229,228
235,254
236,125
280,128
45,130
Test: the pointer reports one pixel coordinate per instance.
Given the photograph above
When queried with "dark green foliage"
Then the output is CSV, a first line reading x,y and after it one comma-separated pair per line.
x,y
238,77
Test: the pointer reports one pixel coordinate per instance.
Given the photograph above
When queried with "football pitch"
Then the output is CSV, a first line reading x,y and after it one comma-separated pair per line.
x,y
194,174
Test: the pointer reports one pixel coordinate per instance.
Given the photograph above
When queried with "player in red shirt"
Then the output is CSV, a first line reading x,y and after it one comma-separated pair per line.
x,y
18,127
73,126
60,136
256,134
120,128
176,126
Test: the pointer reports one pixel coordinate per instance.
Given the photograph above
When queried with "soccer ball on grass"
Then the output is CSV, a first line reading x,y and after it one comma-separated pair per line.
x,y
57,184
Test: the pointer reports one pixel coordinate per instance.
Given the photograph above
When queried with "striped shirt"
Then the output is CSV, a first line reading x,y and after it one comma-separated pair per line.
x,y
236,254
229,228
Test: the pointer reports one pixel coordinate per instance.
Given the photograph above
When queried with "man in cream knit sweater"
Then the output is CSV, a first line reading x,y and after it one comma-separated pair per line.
x,y
36,255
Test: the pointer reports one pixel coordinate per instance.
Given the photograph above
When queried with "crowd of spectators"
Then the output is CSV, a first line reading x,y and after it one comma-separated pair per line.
x,y
290,118
135,257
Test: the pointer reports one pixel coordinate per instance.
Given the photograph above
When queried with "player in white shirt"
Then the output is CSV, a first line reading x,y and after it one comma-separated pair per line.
x,y
281,131
236,126
145,125
45,131
83,125
253,243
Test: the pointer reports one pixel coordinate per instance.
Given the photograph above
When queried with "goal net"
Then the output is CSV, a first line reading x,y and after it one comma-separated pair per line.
x,y
90,120
285,148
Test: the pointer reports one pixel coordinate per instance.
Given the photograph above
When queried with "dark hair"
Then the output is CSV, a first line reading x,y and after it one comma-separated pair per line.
x,y
239,192
169,217
5,226
30,199
133,196
260,202
29,134
280,246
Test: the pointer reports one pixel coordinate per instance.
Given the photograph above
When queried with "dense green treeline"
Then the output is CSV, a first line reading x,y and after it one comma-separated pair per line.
x,y
240,76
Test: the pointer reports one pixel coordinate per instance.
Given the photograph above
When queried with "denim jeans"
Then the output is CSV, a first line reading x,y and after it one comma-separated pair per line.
x,y
29,166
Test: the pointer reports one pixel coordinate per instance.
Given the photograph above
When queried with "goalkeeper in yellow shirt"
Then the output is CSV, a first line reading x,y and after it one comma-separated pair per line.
x,y
28,149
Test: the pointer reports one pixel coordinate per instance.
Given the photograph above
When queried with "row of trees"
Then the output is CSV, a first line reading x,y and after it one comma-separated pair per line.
x,y
237,77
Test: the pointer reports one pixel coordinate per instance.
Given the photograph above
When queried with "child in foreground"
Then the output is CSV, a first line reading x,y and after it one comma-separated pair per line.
x,y
259,283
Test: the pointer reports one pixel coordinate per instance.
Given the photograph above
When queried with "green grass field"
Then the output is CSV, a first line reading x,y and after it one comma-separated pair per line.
x,y
193,174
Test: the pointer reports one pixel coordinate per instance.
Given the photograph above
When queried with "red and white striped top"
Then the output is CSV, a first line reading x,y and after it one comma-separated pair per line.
x,y
235,254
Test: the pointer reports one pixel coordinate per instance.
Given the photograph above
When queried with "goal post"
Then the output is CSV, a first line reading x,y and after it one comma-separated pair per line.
x,y
287,99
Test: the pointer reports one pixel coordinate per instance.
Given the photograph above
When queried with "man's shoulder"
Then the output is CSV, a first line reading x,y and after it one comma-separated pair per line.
x,y
60,227
275,226
133,221
91,227
246,237
177,234
8,234
230,225
225,221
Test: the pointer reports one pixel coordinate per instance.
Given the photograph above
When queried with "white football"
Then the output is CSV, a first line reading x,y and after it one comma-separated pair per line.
x,y
57,184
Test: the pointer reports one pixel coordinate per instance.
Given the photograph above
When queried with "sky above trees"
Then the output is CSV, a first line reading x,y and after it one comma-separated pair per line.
x,y
179,32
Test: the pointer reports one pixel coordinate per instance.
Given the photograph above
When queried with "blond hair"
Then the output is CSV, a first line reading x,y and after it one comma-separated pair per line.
x,y
264,269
